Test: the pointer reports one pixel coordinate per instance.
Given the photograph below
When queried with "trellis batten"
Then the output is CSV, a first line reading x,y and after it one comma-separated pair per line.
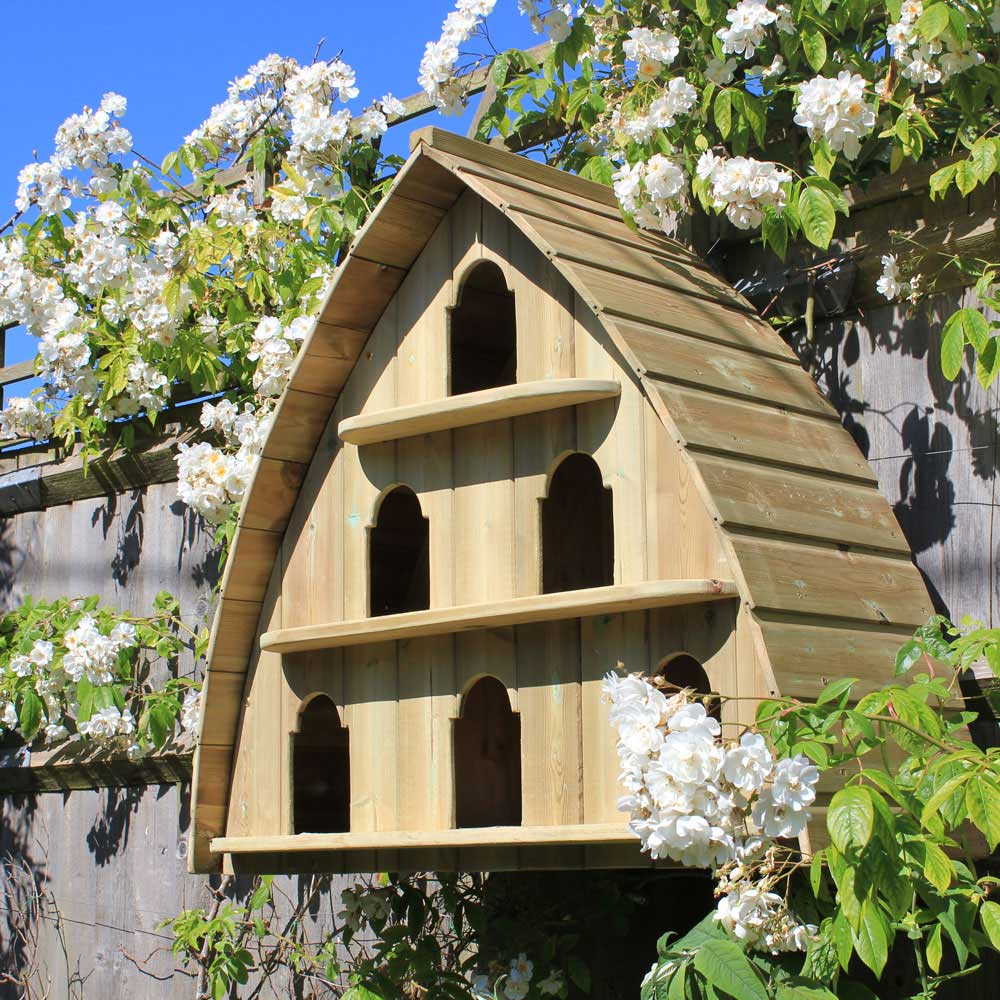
x,y
391,574
519,611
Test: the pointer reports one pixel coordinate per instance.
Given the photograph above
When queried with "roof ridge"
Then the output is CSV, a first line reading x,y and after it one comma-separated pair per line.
x,y
487,154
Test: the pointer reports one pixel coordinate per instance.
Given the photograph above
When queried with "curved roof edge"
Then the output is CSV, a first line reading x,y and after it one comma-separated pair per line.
x,y
818,555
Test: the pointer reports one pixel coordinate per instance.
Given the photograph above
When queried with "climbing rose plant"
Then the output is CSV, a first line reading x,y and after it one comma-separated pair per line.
x,y
762,112
147,285
792,920
74,669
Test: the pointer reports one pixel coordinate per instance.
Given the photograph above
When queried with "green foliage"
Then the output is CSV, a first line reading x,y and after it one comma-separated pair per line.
x,y
43,695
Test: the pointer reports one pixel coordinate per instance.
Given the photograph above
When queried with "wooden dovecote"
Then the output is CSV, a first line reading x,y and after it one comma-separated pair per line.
x,y
522,443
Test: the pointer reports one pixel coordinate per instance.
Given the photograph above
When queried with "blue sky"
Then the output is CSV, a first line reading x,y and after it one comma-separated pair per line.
x,y
172,62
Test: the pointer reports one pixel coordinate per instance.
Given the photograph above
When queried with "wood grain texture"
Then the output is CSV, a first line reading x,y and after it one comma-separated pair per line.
x,y
473,408
497,614
573,833
722,459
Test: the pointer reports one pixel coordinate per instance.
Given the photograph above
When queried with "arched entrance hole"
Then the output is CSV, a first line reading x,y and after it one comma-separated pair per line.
x,y
483,349
683,671
487,758
578,534
399,564
321,770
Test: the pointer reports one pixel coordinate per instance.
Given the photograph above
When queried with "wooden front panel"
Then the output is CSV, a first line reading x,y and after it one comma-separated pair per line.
x,y
481,489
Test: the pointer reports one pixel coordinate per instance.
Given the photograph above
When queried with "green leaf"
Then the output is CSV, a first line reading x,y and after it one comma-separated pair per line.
x,y
579,973
907,656
816,873
941,179
598,168
723,112
982,799
966,177
361,993
793,991
976,327
934,21
824,158
817,216
832,692
989,917
933,949
933,805
952,346
30,715
851,818
814,46
984,158
871,940
725,966
987,367
842,938
937,867
775,233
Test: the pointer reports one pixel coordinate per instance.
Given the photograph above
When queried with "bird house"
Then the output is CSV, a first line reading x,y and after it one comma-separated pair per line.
x,y
522,444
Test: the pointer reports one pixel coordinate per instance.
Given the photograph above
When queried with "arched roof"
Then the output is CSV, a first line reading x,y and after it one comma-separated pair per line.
x,y
817,554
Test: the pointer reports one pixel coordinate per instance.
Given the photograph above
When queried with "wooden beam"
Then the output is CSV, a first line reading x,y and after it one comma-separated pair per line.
x,y
41,486
485,836
17,373
77,765
473,408
498,614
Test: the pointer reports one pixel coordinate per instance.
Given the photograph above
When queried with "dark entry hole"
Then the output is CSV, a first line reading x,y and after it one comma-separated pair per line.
x,y
684,671
487,758
483,333
400,570
321,769
578,545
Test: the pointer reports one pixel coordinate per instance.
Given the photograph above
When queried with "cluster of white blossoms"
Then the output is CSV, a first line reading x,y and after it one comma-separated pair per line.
x,y
652,191
745,187
84,142
834,108
555,21
519,976
211,479
696,799
748,24
274,348
651,49
362,905
91,654
22,417
514,982
677,98
107,723
923,61
86,653
892,285
438,65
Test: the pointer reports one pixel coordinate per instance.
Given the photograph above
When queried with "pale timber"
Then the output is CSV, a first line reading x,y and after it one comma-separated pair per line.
x,y
723,462
484,836
472,408
498,614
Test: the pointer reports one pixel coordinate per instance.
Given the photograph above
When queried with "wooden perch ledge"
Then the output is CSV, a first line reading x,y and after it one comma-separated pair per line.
x,y
487,836
519,611
470,408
